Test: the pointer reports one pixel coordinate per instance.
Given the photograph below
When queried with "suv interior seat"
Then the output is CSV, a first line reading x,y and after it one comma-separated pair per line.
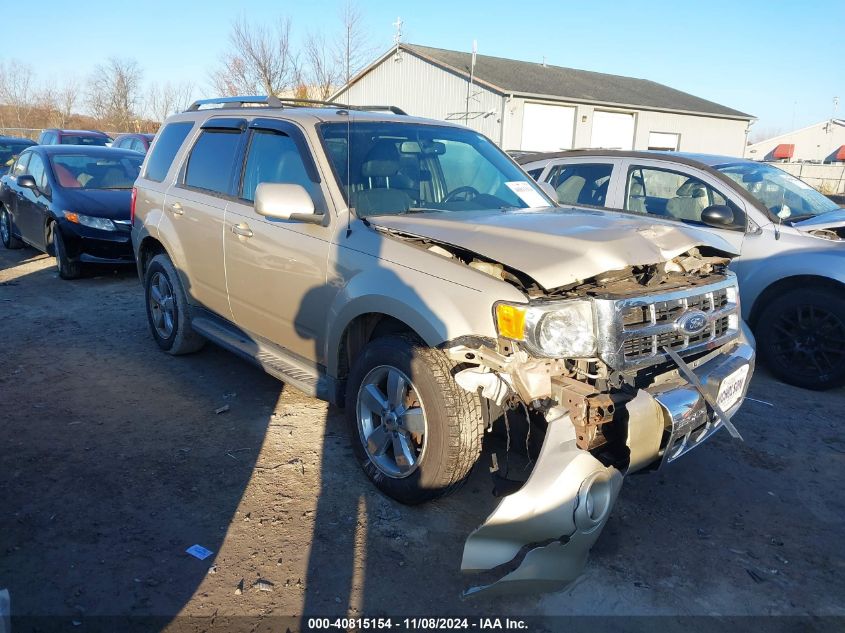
x,y
379,172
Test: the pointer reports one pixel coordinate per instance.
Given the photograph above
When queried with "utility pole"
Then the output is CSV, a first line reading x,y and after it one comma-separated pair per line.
x,y
397,38
471,79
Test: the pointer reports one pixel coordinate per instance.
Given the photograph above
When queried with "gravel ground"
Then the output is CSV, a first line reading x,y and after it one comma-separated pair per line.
x,y
114,461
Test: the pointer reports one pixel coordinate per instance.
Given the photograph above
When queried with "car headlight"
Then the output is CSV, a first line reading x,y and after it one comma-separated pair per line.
x,y
104,224
560,329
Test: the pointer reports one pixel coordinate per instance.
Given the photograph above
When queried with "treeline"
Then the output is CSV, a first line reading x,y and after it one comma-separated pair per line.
x,y
260,58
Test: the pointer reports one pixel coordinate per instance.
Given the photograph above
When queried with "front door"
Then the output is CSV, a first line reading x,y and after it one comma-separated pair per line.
x,y
30,214
276,269
680,193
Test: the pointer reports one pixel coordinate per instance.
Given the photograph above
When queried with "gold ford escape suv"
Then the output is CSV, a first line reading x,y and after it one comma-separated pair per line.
x,y
409,270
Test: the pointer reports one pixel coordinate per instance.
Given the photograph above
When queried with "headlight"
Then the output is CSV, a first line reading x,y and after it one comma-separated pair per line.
x,y
561,329
104,224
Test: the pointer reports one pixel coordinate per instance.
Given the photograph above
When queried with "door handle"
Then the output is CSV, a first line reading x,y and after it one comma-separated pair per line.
x,y
242,229
177,208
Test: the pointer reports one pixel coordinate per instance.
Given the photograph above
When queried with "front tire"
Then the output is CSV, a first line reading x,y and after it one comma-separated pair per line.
x,y
167,308
68,269
801,338
9,240
414,431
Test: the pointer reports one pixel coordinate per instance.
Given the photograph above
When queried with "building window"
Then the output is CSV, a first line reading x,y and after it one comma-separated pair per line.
x,y
664,141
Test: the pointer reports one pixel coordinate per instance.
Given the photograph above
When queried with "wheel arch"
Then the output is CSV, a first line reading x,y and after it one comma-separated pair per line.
x,y
786,285
147,249
359,331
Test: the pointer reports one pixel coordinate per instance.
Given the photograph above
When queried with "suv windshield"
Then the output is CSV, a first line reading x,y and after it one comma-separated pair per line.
x,y
76,171
784,195
387,168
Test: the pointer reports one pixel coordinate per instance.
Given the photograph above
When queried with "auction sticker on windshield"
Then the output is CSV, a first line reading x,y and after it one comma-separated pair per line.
x,y
730,391
527,193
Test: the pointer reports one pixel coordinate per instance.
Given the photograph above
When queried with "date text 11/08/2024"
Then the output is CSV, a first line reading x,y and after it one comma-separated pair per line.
x,y
417,624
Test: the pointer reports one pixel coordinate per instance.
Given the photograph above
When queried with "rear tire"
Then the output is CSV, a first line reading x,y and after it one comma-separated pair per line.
x,y
68,269
167,308
443,436
9,240
801,338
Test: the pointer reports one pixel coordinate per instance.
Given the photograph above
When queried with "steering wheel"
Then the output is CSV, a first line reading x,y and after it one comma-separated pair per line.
x,y
469,193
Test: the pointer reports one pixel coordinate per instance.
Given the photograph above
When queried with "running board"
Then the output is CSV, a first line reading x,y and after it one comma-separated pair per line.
x,y
272,360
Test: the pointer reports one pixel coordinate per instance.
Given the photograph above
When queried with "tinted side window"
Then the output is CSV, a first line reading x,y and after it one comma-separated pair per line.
x,y
172,137
36,170
273,157
581,183
21,165
535,173
212,161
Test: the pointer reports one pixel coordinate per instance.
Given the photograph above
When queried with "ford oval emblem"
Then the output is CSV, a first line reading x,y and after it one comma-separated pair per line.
x,y
692,322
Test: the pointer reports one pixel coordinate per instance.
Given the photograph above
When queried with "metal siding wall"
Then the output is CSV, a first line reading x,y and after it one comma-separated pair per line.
x,y
422,89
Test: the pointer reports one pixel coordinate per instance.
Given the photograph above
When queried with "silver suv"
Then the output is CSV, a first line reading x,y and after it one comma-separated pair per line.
x,y
411,271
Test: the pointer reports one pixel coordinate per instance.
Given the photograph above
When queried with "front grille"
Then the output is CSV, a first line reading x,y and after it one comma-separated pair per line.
x,y
642,327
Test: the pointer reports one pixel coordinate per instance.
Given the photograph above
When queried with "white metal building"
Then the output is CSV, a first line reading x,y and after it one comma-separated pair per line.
x,y
823,142
537,107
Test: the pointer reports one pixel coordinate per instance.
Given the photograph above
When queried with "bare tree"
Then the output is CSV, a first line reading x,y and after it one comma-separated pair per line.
x,y
58,102
113,93
353,49
260,60
322,72
18,91
166,99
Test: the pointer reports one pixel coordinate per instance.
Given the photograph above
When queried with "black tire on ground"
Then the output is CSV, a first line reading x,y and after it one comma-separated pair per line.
x,y
9,240
68,269
801,338
181,338
454,423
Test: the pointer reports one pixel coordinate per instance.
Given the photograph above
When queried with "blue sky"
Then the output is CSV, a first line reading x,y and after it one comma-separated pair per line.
x,y
780,61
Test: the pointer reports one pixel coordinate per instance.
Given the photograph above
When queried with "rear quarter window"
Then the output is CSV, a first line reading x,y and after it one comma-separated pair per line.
x,y
171,138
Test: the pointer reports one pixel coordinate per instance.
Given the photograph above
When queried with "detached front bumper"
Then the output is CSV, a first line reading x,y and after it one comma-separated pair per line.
x,y
561,510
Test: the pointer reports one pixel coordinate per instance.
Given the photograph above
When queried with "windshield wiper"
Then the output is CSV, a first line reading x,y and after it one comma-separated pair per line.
x,y
422,210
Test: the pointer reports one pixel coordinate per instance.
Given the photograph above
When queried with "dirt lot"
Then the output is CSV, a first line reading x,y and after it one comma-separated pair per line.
x,y
114,461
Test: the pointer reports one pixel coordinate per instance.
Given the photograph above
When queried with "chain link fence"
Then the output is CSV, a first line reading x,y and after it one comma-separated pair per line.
x,y
32,133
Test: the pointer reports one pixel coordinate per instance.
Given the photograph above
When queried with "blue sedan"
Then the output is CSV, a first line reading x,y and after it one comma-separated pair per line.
x,y
72,202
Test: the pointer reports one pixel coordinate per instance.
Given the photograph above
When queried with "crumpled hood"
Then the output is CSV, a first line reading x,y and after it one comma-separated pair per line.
x,y
557,247
831,220
102,203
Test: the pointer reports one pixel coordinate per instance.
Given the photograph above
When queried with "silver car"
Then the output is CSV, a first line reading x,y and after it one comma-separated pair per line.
x,y
789,236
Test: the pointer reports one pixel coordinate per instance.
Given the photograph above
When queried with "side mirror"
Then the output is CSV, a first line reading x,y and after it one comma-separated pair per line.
x,y
27,182
283,201
549,190
718,215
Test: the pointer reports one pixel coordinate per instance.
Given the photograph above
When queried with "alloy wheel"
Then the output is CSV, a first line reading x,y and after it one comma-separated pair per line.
x,y
810,340
391,421
162,305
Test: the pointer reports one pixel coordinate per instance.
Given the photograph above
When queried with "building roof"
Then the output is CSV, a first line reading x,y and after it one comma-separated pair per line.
x,y
509,76
786,135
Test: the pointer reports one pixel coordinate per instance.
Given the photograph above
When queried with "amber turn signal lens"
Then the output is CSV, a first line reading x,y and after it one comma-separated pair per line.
x,y
72,217
510,320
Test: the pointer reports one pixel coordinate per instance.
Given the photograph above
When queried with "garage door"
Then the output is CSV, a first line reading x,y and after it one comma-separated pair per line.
x,y
547,128
612,130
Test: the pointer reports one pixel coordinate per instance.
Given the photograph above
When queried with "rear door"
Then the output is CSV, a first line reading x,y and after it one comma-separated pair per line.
x,y
276,269
586,181
193,218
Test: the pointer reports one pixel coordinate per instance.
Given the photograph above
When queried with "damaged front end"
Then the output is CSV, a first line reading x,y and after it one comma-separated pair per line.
x,y
631,370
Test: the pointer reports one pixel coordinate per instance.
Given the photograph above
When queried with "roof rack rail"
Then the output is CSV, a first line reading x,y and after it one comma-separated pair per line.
x,y
272,101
